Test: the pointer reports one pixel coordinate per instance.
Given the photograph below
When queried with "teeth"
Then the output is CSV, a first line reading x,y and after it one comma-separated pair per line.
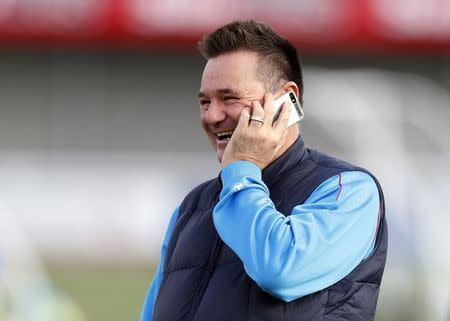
x,y
227,133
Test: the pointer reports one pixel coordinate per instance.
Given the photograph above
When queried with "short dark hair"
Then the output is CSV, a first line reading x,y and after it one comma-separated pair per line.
x,y
279,58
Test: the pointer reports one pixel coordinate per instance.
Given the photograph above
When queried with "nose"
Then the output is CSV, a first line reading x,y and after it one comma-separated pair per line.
x,y
215,113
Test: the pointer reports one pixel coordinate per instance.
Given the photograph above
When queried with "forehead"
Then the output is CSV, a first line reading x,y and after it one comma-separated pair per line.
x,y
236,70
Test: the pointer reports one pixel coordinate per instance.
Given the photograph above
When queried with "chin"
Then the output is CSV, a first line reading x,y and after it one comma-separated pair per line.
x,y
219,156
219,152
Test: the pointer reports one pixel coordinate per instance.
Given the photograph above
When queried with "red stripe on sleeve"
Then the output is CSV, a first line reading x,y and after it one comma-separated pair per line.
x,y
340,186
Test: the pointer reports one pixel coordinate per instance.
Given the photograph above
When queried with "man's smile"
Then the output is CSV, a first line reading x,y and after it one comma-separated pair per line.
x,y
224,135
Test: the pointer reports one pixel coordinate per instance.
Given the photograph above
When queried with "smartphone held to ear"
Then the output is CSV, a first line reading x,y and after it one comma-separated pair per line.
x,y
296,109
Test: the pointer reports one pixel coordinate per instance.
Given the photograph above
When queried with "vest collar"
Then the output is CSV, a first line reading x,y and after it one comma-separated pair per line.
x,y
294,154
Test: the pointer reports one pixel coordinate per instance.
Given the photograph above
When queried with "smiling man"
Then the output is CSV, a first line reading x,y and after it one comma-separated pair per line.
x,y
232,86
284,232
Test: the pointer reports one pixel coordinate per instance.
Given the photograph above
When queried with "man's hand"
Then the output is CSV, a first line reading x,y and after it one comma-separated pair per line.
x,y
258,141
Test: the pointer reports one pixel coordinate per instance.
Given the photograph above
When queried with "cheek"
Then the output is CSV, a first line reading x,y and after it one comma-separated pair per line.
x,y
204,124
235,112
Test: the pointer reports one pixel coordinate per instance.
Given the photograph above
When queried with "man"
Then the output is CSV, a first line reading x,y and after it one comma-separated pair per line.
x,y
284,232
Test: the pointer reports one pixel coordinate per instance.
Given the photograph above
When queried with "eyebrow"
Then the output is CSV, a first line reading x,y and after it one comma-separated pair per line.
x,y
224,91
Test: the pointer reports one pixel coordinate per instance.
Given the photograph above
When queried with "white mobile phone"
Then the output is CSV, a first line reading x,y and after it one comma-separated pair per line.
x,y
296,109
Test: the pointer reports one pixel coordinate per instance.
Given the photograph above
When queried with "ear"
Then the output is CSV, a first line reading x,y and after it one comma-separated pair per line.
x,y
290,86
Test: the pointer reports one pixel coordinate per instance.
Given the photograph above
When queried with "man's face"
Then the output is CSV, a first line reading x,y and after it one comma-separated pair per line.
x,y
228,84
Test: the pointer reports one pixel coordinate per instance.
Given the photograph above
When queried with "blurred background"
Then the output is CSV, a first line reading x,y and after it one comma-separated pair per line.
x,y
100,139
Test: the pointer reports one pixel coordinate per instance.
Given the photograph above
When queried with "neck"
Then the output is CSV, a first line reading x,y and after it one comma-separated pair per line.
x,y
291,136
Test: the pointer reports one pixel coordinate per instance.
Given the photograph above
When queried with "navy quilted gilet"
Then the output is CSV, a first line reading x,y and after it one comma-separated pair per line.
x,y
204,280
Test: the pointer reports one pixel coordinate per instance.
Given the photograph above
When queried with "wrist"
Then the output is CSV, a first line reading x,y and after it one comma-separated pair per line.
x,y
238,169
236,158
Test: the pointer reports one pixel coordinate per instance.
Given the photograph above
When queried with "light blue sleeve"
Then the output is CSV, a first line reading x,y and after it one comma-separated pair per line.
x,y
147,309
322,240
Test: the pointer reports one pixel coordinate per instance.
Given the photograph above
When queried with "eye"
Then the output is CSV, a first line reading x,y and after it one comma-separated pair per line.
x,y
231,99
204,103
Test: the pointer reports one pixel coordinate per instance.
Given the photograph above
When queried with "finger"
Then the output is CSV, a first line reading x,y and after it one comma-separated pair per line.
x,y
258,110
269,108
258,114
283,120
244,118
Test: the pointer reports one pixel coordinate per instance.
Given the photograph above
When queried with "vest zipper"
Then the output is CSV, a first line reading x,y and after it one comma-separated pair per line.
x,y
209,270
